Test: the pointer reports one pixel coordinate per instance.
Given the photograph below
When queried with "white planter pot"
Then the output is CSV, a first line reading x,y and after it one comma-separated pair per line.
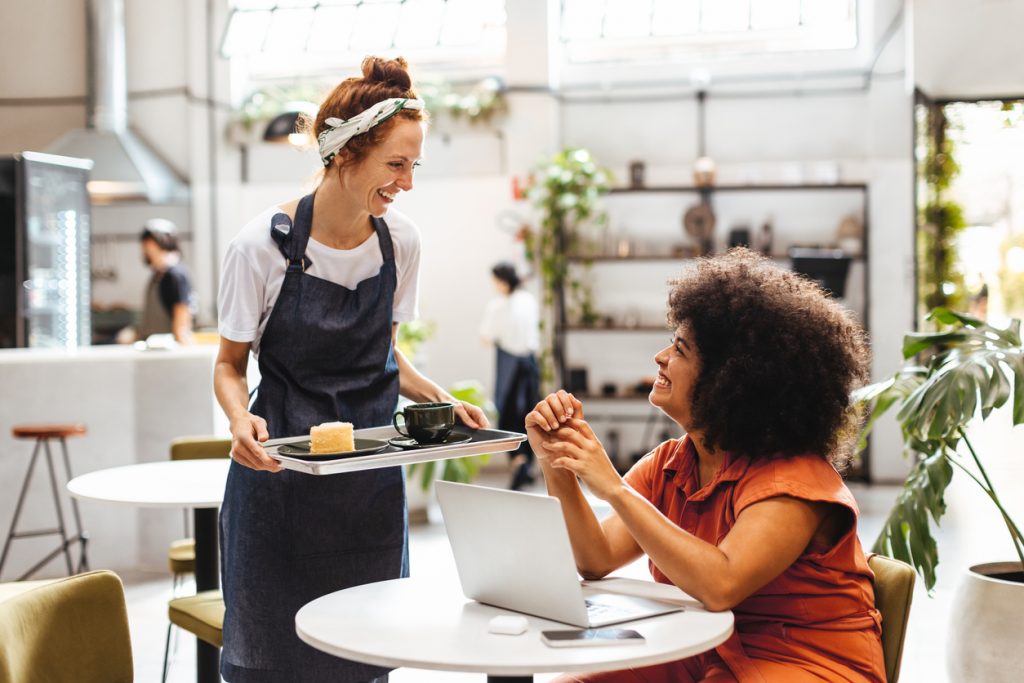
x,y
986,629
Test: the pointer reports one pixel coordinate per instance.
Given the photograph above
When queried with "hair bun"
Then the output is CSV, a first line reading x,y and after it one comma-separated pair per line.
x,y
391,72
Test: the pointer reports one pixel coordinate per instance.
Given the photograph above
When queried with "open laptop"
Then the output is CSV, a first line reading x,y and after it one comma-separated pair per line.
x,y
512,551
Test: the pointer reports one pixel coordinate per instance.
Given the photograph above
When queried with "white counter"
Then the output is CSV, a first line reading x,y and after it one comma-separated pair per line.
x,y
133,404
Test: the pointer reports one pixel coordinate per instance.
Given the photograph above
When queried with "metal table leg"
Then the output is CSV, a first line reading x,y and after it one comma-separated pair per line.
x,y
207,578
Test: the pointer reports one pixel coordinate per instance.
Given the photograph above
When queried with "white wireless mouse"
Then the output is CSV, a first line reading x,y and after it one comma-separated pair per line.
x,y
508,624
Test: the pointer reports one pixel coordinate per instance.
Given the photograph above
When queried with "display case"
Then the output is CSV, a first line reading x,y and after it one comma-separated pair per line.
x,y
44,251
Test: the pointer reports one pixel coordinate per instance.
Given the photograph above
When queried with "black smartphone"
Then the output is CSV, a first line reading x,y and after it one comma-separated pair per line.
x,y
591,636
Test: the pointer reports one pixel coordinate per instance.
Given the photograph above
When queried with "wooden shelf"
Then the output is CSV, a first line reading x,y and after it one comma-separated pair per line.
x,y
656,258
784,187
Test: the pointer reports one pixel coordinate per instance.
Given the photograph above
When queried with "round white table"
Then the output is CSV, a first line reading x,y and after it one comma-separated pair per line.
x,y
196,484
429,624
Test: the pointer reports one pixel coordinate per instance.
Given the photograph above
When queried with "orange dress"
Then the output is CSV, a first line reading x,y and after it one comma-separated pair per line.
x,y
815,621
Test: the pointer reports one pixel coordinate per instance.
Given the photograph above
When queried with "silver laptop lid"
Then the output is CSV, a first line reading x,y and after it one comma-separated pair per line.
x,y
512,550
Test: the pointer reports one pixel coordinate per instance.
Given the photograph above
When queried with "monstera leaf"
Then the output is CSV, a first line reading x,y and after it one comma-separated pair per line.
x,y
951,376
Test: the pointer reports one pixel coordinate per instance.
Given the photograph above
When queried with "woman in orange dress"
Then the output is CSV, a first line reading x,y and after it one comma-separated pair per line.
x,y
747,511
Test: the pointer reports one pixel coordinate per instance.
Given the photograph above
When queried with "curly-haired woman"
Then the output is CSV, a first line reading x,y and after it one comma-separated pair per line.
x,y
747,511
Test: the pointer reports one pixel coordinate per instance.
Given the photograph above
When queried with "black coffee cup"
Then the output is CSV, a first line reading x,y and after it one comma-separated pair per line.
x,y
426,422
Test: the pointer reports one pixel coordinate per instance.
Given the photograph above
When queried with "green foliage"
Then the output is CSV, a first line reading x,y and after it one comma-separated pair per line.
x,y
969,368
463,470
478,102
940,284
411,336
565,189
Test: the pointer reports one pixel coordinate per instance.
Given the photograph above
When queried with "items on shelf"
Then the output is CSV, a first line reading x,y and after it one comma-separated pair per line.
x,y
636,174
578,383
828,266
739,237
699,223
704,172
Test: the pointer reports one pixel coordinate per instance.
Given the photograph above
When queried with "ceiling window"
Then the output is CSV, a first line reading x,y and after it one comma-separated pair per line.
x,y
625,30
299,35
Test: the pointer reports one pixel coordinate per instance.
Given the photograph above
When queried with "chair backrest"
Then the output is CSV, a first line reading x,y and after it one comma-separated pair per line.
x,y
73,629
200,448
894,590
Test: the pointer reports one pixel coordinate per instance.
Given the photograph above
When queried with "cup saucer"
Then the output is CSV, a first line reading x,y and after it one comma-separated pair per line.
x,y
409,443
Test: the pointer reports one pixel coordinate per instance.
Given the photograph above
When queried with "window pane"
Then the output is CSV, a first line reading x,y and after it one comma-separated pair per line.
x,y
628,18
288,4
246,33
254,4
768,14
421,23
375,26
331,29
289,30
675,17
463,23
725,15
827,13
582,19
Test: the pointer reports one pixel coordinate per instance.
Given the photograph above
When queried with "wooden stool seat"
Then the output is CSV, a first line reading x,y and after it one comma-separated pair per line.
x,y
47,431
182,556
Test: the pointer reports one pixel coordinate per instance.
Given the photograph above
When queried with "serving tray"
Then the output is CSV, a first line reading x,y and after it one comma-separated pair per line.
x,y
482,441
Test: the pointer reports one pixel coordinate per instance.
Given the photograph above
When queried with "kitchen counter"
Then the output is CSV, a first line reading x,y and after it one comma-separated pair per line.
x,y
133,403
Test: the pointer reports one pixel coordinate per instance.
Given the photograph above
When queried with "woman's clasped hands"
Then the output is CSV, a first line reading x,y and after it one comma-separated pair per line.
x,y
563,440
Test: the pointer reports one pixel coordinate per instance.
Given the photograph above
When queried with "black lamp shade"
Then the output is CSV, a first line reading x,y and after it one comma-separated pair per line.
x,y
281,126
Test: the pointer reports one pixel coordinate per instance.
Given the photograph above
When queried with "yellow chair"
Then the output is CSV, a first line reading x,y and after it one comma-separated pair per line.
x,y
73,629
181,556
201,614
894,591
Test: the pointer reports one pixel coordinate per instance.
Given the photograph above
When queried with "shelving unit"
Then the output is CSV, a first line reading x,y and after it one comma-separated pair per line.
x,y
607,348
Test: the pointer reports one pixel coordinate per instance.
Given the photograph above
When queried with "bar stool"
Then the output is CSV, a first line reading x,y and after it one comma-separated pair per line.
x,y
43,434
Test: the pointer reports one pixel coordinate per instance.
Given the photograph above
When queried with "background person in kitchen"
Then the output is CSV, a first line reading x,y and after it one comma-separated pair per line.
x,y
169,304
317,290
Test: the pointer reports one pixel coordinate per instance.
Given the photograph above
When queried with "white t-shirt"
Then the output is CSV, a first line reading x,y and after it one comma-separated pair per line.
x,y
254,269
512,323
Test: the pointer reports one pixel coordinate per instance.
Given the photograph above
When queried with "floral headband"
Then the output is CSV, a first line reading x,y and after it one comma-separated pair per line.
x,y
339,132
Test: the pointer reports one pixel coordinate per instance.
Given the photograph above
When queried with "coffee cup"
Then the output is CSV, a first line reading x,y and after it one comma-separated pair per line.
x,y
426,422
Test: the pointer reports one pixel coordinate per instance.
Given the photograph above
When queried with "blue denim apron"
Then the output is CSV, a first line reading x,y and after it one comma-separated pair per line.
x,y
287,537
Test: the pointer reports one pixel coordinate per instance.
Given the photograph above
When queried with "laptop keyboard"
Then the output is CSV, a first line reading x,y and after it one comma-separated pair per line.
x,y
602,610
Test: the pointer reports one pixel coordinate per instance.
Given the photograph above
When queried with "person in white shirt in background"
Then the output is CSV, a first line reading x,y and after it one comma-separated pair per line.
x,y
511,324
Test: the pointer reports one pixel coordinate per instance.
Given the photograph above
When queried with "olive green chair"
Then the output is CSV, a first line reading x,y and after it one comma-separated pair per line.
x,y
894,591
181,556
73,629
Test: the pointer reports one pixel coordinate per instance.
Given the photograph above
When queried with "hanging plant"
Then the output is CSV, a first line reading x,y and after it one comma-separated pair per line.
x,y
478,102
565,189
940,284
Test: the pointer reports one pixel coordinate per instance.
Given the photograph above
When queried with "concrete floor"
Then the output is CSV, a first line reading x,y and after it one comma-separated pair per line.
x,y
970,534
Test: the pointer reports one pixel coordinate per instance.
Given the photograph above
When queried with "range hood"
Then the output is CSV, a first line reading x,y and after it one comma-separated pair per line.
x,y
125,168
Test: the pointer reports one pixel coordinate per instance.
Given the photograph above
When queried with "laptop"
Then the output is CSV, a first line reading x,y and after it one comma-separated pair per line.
x,y
512,551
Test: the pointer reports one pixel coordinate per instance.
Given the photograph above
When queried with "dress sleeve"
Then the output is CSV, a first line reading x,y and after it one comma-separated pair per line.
x,y
807,477
240,299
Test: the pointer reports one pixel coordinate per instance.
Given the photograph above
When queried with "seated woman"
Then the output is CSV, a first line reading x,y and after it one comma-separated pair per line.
x,y
747,511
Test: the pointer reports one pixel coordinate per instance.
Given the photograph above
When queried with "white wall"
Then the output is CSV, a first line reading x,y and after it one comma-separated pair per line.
x,y
969,49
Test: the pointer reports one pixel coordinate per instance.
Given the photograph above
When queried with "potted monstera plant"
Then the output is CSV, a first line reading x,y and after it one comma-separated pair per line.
x,y
951,377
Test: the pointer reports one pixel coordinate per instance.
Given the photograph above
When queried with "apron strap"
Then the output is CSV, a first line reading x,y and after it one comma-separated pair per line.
x,y
293,236
387,247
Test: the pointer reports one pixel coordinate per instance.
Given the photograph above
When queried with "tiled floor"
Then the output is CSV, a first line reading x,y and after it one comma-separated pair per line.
x,y
970,534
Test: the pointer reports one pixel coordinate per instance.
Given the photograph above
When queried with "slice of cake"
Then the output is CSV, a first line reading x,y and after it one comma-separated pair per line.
x,y
331,437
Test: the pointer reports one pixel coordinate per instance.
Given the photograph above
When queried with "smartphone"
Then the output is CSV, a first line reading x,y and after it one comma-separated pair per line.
x,y
590,636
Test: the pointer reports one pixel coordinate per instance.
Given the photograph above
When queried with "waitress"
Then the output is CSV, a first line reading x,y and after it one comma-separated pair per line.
x,y
316,289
